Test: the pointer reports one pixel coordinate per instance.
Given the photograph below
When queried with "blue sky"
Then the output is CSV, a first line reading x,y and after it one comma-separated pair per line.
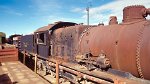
x,y
25,16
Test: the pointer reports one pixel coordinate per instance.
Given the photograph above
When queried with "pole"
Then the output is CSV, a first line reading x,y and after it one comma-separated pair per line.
x,y
88,12
57,72
87,9
35,63
24,57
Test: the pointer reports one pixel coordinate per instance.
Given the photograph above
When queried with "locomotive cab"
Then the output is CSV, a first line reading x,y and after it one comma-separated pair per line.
x,y
44,38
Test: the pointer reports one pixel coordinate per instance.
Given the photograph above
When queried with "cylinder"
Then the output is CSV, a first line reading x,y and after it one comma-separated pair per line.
x,y
133,13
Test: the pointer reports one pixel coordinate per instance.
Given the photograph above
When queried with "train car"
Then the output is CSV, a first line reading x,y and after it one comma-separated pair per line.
x,y
27,43
11,40
16,41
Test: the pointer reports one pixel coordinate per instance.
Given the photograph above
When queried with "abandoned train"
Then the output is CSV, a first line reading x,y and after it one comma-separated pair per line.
x,y
124,47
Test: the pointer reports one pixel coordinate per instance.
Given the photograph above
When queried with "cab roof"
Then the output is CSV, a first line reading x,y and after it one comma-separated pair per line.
x,y
54,26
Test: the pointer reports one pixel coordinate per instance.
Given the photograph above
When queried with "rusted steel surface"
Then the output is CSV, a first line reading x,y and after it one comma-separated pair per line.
x,y
126,45
8,55
65,40
133,13
143,54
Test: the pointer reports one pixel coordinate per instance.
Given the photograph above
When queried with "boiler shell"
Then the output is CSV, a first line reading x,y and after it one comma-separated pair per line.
x,y
121,45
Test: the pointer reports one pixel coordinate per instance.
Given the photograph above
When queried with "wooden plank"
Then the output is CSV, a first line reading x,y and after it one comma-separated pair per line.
x,y
8,55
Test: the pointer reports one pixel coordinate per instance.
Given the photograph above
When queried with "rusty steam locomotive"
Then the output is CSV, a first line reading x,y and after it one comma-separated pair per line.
x,y
115,48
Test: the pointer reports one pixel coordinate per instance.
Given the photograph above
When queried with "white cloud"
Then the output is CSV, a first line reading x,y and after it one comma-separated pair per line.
x,y
46,5
52,19
14,12
102,13
9,10
97,14
77,10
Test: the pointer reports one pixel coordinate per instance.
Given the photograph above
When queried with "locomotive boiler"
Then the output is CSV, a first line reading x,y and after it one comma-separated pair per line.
x,y
115,48
126,45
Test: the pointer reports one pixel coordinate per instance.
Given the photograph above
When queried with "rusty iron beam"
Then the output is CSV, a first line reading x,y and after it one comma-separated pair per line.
x,y
96,74
79,74
57,71
85,76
